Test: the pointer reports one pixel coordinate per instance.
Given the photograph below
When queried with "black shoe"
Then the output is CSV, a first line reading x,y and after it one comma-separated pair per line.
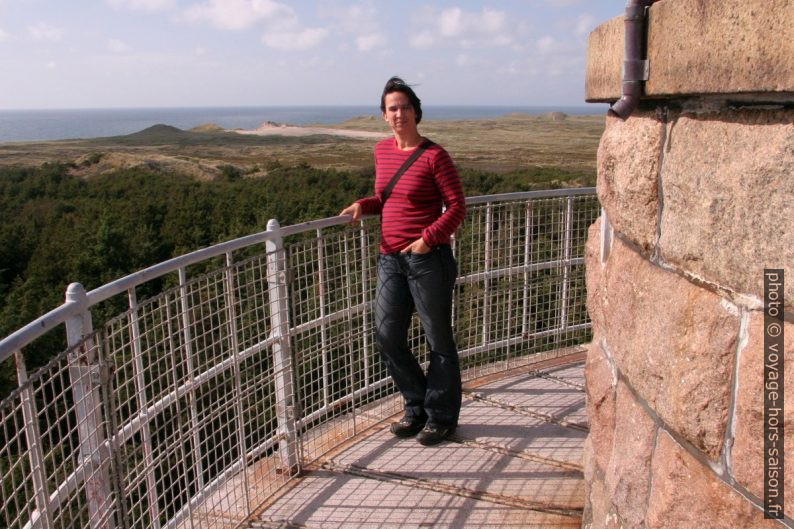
x,y
407,427
432,434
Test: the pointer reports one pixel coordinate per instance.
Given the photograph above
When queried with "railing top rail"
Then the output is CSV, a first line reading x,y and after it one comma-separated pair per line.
x,y
36,328
41,325
125,283
523,195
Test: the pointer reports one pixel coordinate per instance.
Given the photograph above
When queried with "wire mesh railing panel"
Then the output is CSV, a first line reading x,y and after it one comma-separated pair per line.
x,y
73,433
581,212
338,372
251,296
198,404
18,500
323,389
145,346
207,302
118,346
53,446
57,430
335,270
519,262
217,426
259,400
181,386
174,459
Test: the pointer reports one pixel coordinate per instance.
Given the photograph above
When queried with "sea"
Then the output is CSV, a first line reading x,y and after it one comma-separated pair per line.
x,y
38,125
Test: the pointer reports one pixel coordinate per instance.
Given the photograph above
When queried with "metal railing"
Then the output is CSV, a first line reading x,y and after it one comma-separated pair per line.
x,y
254,357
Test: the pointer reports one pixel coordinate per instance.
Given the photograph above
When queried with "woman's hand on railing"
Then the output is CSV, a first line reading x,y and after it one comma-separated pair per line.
x,y
354,210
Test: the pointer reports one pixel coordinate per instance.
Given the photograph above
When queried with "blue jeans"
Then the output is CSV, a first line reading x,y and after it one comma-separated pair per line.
x,y
424,282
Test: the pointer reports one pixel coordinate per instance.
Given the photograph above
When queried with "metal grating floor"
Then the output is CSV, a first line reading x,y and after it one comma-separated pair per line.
x,y
515,461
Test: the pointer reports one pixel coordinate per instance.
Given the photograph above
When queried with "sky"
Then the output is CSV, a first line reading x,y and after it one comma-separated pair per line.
x,y
198,53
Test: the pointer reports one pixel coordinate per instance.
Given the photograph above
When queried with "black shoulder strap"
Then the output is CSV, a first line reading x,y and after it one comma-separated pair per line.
x,y
384,196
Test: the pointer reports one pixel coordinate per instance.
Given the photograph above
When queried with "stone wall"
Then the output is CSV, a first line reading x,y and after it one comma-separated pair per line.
x,y
697,188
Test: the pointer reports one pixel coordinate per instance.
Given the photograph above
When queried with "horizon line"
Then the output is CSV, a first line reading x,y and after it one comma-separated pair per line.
x,y
360,105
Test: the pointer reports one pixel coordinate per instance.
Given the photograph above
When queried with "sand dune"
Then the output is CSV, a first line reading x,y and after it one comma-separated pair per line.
x,y
269,128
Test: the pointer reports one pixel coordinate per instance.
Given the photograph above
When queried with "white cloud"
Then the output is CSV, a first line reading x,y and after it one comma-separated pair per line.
x,y
490,21
475,29
142,5
370,42
46,32
4,36
237,14
282,30
556,57
357,21
356,18
422,41
451,23
117,46
51,65
294,40
454,22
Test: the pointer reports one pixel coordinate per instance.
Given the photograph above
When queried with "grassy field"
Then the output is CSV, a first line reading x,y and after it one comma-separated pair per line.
x,y
508,143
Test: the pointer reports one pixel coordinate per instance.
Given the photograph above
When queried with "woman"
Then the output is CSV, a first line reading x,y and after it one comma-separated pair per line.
x,y
416,268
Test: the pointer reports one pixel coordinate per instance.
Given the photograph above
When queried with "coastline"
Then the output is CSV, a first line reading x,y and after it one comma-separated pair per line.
x,y
79,124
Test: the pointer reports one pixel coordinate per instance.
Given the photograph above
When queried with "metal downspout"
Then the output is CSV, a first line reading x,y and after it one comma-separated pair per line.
x,y
635,65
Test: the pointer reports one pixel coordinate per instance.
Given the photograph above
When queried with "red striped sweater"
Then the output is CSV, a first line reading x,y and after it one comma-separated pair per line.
x,y
414,208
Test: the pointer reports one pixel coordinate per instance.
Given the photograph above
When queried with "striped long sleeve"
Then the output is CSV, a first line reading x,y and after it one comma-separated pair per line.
x,y
414,208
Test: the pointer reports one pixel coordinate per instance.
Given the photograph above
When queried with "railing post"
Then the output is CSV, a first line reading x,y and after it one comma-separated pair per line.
x,y
84,373
139,370
528,227
509,309
187,337
234,346
486,291
349,318
321,282
282,354
365,271
35,451
566,256
173,351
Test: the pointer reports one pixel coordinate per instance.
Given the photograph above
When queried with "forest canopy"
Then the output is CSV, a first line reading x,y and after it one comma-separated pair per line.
x,y
58,228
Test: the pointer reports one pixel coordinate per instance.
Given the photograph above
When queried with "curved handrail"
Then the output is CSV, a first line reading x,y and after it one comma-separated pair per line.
x,y
36,328
216,352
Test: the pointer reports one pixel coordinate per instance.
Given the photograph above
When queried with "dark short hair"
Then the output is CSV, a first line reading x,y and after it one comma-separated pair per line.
x,y
395,84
